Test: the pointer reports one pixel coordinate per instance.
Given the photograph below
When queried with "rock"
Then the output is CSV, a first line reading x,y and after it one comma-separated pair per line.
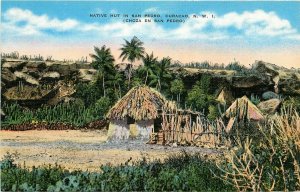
x,y
36,65
285,80
270,106
250,81
8,77
83,66
86,75
290,86
92,71
2,113
64,91
29,95
269,95
14,65
27,78
3,86
51,76
276,81
266,68
63,69
35,74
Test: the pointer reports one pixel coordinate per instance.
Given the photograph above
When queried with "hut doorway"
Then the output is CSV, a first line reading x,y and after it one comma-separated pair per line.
x,y
157,124
130,120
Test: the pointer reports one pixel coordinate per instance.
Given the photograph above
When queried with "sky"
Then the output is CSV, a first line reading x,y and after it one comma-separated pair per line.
x,y
241,31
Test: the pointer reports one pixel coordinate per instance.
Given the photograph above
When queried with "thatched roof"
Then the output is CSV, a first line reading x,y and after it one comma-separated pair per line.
x,y
225,97
245,107
140,103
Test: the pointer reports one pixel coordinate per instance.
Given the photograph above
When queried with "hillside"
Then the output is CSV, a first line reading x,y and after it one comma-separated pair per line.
x,y
51,82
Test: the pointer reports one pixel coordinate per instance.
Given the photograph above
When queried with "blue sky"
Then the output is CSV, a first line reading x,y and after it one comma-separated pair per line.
x,y
273,27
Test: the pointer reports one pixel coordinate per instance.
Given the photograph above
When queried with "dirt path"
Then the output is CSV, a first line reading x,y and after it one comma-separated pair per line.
x,y
80,149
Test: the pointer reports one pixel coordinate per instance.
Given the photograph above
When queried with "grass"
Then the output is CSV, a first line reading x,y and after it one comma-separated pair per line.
x,y
74,113
180,172
266,163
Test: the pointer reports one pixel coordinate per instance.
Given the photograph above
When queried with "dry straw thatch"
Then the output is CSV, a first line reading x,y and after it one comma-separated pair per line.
x,y
245,108
225,97
140,103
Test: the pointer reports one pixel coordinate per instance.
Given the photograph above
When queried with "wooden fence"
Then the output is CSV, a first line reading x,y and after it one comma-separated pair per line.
x,y
186,128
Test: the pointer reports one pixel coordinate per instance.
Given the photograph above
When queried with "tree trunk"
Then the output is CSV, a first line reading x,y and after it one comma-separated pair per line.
x,y
120,92
129,75
146,78
115,88
103,85
159,86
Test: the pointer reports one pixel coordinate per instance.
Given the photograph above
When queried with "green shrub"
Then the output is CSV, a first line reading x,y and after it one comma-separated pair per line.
x,y
254,99
292,102
212,112
89,93
102,105
74,113
178,172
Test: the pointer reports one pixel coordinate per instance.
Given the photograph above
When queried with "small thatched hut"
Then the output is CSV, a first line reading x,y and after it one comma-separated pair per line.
x,y
225,97
137,114
244,108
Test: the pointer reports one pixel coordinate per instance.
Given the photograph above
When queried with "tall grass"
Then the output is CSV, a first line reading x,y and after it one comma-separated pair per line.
x,y
271,162
74,113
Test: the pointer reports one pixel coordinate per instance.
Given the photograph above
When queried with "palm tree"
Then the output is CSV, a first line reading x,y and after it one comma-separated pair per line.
x,y
117,80
160,78
149,65
132,50
103,62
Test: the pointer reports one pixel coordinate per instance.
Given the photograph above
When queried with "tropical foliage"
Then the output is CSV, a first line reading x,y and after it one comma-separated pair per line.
x,y
177,88
149,66
267,163
199,98
103,62
181,172
75,113
132,50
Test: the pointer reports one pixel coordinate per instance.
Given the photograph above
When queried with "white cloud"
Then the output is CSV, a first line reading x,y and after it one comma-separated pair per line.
x,y
120,29
192,28
155,10
151,10
113,11
34,22
14,30
294,37
257,23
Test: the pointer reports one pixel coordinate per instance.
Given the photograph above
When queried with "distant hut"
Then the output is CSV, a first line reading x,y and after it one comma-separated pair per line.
x,y
244,108
225,97
137,114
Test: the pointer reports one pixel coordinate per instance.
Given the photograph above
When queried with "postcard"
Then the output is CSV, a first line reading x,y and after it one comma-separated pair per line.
x,y
150,95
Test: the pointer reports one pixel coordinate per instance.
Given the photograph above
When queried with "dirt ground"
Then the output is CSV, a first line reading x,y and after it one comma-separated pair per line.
x,y
81,149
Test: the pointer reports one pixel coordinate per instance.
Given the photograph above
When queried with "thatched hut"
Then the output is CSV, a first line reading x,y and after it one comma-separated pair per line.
x,y
137,114
225,97
244,108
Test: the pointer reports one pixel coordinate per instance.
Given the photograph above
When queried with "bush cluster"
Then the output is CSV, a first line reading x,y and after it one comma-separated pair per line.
x,y
180,172
75,113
